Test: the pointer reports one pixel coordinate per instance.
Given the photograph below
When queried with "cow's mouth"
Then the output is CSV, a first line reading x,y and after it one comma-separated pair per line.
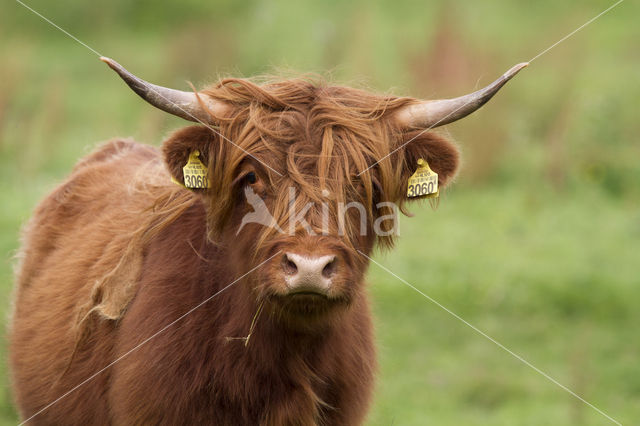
x,y
304,296
308,293
307,304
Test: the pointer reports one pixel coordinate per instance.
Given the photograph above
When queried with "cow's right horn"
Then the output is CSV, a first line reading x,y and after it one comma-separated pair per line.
x,y
176,102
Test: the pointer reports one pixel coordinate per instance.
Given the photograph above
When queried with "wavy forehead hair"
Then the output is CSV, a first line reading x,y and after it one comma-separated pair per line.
x,y
318,138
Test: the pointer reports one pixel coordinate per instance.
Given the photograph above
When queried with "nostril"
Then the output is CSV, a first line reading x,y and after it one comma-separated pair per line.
x,y
330,268
289,266
314,272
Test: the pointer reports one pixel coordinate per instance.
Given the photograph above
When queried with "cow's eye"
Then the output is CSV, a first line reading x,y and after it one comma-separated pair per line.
x,y
377,192
252,178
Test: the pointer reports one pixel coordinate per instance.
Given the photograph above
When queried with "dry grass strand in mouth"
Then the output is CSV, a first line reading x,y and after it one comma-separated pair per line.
x,y
251,328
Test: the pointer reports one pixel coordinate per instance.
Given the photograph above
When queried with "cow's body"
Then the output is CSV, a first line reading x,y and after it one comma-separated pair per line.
x,y
133,293
190,373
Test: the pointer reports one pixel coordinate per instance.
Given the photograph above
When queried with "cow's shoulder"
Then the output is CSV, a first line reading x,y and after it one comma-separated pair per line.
x,y
91,216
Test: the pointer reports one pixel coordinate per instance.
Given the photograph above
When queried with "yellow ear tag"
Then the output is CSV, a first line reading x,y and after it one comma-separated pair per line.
x,y
195,173
424,182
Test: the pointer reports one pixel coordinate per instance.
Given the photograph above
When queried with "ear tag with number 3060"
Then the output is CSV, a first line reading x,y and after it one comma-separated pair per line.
x,y
424,182
195,173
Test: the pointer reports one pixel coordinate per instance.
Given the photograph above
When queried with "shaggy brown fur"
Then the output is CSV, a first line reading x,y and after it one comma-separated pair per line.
x,y
116,253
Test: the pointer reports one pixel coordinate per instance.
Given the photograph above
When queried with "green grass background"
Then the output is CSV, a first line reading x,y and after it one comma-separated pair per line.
x,y
537,244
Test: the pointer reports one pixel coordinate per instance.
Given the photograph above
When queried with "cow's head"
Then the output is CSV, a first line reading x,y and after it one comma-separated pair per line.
x,y
304,178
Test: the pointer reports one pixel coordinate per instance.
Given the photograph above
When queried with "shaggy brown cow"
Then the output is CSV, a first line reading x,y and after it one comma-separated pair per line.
x,y
134,293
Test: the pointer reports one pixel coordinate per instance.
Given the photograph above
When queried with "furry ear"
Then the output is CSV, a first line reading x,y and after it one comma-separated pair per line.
x,y
441,154
182,143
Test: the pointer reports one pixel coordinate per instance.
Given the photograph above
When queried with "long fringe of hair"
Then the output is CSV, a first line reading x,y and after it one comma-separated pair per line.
x,y
322,137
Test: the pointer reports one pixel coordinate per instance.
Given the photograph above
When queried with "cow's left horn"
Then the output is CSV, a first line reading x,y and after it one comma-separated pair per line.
x,y
176,102
439,112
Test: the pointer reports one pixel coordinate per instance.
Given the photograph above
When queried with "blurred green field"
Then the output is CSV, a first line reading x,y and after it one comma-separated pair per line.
x,y
536,244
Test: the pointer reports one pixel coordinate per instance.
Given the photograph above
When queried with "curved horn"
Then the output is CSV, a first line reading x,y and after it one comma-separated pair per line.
x,y
183,104
439,112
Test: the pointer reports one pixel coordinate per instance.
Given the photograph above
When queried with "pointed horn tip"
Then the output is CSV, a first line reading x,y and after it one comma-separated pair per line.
x,y
112,64
515,69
